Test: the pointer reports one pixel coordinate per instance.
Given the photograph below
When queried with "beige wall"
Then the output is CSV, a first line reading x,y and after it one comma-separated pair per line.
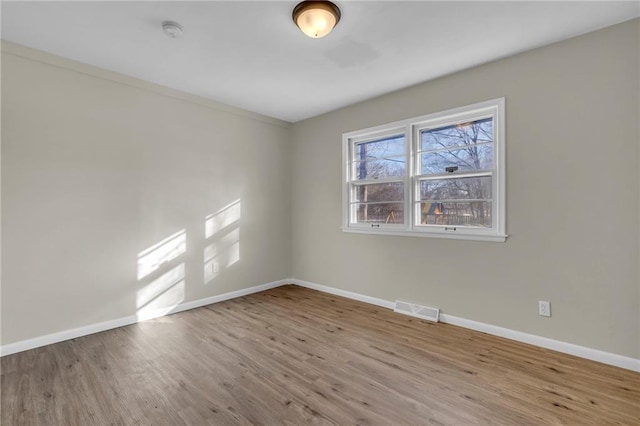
x,y
97,168
572,198
95,171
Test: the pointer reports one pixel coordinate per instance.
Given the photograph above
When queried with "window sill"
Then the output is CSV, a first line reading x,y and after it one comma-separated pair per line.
x,y
401,233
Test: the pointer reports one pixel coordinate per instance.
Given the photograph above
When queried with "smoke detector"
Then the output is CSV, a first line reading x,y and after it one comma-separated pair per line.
x,y
172,29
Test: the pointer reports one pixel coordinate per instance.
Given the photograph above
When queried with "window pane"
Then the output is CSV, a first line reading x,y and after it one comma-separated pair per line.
x,y
379,192
377,169
390,213
458,135
381,148
471,158
475,213
472,188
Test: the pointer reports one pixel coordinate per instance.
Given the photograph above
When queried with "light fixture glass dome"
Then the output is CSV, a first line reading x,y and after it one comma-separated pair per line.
x,y
316,18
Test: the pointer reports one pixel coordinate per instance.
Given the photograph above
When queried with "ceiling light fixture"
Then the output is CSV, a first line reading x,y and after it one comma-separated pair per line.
x,y
172,29
316,18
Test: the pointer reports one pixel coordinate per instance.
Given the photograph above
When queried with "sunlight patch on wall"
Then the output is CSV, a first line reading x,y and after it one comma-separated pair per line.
x,y
161,295
219,246
222,218
149,260
221,254
233,254
222,232
160,285
162,279
163,303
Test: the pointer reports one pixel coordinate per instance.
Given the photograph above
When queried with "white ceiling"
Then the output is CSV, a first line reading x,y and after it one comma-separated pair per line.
x,y
251,55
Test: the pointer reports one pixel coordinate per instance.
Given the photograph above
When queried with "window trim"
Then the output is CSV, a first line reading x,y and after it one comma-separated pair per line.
x,y
411,129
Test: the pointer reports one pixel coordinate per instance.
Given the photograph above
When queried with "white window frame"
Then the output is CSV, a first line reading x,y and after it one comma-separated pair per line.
x,y
411,129
374,135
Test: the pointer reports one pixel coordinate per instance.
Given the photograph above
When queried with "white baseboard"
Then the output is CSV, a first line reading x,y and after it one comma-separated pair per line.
x,y
348,294
49,339
61,336
544,342
556,345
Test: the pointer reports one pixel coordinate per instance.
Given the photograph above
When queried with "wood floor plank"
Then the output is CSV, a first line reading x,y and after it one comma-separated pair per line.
x,y
295,356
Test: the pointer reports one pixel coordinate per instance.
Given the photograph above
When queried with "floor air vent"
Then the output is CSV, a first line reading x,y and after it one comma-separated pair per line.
x,y
419,311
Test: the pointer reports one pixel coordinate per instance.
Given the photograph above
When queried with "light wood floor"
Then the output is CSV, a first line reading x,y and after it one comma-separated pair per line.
x,y
296,356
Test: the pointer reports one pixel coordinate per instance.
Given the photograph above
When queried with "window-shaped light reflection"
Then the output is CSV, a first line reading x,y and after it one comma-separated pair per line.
x,y
159,285
221,254
222,231
233,254
151,259
219,246
161,295
222,218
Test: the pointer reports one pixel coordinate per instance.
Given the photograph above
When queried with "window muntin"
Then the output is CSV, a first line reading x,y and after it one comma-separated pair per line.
x,y
380,213
478,157
380,148
380,158
461,135
379,192
456,213
448,166
459,188
379,169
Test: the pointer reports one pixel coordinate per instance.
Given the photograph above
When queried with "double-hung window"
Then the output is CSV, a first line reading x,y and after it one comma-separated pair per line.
x,y
378,183
439,175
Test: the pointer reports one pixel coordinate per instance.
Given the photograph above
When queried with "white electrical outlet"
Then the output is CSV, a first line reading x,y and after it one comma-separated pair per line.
x,y
544,308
